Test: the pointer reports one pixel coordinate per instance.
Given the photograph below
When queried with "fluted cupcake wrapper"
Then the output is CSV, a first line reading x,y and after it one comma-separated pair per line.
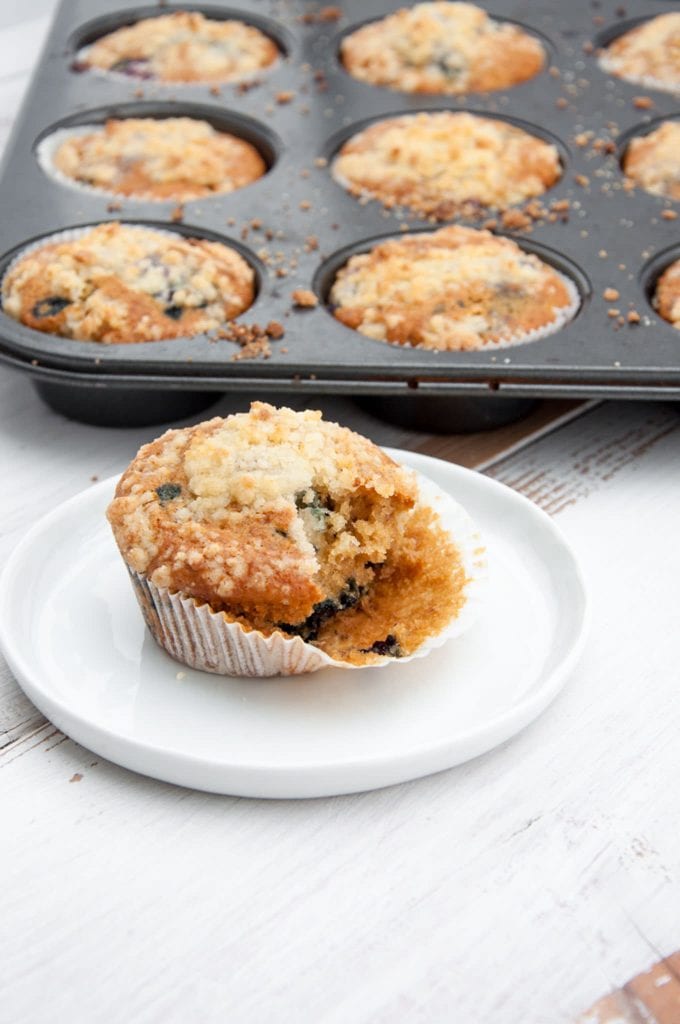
x,y
195,635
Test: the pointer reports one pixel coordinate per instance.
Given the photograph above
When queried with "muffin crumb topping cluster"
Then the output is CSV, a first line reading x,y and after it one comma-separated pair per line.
x,y
184,46
435,163
456,288
442,47
177,158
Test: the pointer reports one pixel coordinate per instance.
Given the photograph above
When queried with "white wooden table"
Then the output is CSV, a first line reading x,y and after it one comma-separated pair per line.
x,y
517,889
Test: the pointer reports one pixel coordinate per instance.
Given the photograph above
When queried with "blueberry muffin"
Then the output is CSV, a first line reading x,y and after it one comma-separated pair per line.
x,y
176,158
648,55
442,47
456,288
288,527
183,46
667,297
438,164
653,161
118,283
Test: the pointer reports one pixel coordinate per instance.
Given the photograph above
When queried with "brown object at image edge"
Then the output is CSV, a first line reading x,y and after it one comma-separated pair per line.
x,y
651,997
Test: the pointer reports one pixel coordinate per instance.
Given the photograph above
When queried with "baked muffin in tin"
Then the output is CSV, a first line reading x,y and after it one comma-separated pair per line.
x,y
278,526
667,295
178,158
442,47
121,283
652,161
648,54
455,288
184,46
439,163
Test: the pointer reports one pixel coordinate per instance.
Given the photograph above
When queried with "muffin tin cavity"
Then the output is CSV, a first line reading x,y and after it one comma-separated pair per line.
x,y
578,280
258,135
639,131
86,35
614,31
545,44
168,292
449,201
649,277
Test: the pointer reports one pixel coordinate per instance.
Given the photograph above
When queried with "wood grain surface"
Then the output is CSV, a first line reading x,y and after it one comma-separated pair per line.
x,y
521,886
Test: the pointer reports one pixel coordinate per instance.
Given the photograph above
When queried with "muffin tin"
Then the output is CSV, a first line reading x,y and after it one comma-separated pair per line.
x,y
306,225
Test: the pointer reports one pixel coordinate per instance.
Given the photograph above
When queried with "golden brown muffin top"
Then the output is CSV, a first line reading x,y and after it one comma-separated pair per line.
x,y
648,54
667,296
176,158
184,46
456,288
652,161
119,283
442,47
265,514
434,163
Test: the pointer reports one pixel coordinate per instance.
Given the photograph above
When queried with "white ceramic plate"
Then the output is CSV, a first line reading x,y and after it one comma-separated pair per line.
x,y
72,633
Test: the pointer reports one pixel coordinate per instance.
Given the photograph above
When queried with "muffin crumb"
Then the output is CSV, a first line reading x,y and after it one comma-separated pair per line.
x,y
304,298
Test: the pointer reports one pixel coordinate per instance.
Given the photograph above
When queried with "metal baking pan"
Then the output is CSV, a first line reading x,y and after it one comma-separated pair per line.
x,y
612,238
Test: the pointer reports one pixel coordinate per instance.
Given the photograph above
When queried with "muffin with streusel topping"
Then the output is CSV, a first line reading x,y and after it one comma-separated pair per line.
x,y
442,47
652,161
176,158
648,54
456,288
184,46
275,542
440,163
667,296
121,283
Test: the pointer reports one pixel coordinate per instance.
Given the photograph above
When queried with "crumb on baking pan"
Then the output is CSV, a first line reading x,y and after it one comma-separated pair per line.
x,y
304,298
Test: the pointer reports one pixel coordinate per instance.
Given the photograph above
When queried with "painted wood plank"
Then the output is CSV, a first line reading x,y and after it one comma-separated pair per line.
x,y
520,886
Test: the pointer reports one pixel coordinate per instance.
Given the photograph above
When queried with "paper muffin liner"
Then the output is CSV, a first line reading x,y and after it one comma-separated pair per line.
x,y
45,153
82,58
195,635
612,66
